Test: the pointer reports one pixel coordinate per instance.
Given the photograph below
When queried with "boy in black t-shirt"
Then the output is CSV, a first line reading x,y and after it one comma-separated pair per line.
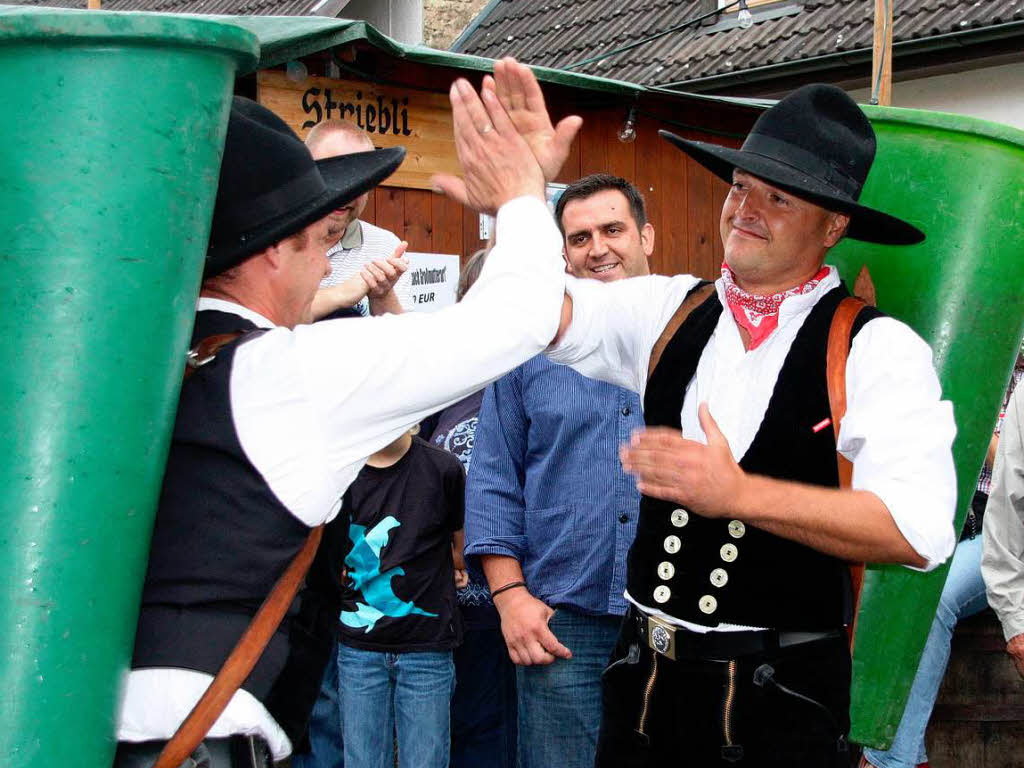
x,y
399,621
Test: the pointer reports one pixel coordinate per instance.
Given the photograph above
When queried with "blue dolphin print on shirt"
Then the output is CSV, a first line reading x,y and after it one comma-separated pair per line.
x,y
364,569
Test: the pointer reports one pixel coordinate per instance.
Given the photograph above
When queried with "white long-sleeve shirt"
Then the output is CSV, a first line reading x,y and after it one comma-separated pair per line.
x,y
311,404
898,432
1002,559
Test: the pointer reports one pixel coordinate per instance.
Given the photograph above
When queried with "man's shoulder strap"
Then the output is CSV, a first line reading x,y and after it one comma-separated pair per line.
x,y
206,350
697,296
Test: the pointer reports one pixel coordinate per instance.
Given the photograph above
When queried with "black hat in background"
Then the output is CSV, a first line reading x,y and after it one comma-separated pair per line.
x,y
271,188
817,144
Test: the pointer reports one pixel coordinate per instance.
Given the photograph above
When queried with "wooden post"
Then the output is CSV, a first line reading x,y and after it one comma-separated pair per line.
x,y
881,61
94,5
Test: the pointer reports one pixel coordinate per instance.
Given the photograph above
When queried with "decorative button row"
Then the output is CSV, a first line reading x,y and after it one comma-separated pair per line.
x,y
679,518
662,594
708,604
719,577
673,544
666,570
737,529
729,552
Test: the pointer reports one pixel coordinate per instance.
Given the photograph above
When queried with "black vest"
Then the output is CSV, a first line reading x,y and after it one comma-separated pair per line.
x,y
708,571
220,542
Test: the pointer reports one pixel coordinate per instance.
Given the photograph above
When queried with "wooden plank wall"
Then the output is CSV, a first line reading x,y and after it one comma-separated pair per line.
x,y
683,200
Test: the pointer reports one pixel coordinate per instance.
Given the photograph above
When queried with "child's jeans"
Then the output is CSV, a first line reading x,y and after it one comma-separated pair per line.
x,y
406,694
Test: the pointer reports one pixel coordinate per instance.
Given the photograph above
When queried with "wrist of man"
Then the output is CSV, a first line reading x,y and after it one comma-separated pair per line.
x,y
510,594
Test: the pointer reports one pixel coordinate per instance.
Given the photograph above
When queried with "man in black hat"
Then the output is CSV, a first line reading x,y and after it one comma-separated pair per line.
x,y
273,426
733,651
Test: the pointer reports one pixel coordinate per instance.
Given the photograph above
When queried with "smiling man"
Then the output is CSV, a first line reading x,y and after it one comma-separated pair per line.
x,y
738,583
548,507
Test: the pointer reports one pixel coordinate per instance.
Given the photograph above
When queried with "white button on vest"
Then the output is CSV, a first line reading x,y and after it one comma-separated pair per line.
x,y
666,570
737,529
708,604
680,517
672,544
662,594
729,552
719,577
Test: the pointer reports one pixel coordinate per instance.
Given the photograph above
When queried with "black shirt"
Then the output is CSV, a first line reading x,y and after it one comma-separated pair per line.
x,y
400,592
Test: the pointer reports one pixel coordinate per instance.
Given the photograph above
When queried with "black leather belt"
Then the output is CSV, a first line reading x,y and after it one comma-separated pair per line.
x,y
229,752
677,642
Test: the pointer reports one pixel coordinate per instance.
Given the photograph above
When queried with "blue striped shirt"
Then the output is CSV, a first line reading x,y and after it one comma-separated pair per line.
x,y
546,486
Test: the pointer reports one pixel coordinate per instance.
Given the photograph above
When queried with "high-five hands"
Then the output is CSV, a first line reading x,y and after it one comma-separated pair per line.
x,y
504,138
519,93
703,478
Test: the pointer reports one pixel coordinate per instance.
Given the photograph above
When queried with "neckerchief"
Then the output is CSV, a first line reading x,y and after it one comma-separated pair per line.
x,y
759,315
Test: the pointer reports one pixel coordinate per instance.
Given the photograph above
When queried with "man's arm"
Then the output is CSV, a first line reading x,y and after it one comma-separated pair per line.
x,y
898,433
1002,560
495,520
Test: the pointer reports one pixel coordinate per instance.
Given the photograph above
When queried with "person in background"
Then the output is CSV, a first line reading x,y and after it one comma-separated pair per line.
x,y
962,596
484,704
399,620
1002,560
363,249
549,511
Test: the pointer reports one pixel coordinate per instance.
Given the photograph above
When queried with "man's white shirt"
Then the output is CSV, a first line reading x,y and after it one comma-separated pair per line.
x,y
311,404
898,432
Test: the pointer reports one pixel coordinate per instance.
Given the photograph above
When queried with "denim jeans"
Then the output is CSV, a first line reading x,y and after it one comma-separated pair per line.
x,y
326,749
484,704
963,596
384,695
560,703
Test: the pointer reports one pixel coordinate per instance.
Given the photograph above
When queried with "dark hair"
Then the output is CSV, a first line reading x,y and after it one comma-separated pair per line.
x,y
471,272
599,182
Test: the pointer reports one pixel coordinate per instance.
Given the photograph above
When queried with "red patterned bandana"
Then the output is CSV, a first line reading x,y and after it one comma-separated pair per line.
x,y
759,315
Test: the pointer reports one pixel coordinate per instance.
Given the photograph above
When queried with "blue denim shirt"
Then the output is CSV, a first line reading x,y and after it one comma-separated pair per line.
x,y
546,486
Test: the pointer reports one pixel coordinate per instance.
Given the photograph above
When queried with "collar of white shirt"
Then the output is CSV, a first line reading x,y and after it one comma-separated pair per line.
x,y
222,305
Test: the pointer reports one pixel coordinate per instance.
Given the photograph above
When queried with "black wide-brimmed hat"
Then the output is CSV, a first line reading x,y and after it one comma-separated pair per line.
x,y
270,186
817,144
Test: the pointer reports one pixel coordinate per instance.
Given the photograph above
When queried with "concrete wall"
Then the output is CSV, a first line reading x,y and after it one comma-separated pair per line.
x,y
400,19
444,20
994,93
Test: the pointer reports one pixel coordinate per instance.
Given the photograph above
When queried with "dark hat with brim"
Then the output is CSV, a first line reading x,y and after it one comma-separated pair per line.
x,y
271,188
816,144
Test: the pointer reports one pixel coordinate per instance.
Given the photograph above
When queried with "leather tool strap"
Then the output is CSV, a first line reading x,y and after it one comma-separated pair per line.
x,y
207,349
835,374
242,659
256,636
690,303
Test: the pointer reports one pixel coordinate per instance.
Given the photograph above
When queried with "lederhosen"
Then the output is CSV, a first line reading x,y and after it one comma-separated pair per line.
x,y
220,542
705,571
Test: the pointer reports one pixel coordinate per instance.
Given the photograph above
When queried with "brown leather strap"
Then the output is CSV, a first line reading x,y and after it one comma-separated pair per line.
x,y
242,659
693,300
207,349
835,374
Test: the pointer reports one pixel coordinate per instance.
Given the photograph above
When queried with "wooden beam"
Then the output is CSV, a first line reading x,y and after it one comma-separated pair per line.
x,y
881,60
94,5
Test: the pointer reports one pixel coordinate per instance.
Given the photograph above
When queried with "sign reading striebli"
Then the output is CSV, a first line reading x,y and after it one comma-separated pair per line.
x,y
420,121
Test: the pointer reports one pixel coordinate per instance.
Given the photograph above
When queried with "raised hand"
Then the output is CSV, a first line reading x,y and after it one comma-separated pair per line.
x,y
381,275
498,164
520,94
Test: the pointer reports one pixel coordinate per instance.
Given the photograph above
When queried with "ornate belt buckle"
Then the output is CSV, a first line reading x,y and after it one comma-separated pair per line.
x,y
661,637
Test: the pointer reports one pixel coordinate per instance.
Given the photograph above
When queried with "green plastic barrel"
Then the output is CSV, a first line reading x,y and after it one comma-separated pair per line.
x,y
111,136
961,180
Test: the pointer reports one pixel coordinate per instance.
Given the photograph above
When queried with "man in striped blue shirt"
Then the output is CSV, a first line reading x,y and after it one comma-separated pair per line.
x,y
550,514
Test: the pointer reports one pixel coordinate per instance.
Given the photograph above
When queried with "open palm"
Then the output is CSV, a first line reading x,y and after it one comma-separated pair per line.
x,y
520,94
